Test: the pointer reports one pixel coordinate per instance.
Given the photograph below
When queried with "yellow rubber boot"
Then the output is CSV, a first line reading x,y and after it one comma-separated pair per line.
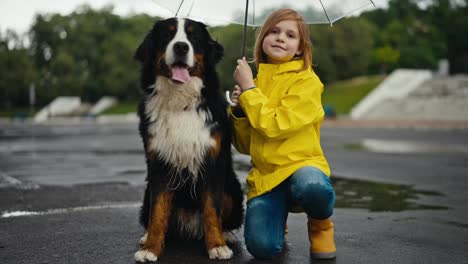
x,y
321,237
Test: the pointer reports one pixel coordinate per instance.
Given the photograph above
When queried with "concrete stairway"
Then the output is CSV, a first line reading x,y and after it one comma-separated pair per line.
x,y
416,95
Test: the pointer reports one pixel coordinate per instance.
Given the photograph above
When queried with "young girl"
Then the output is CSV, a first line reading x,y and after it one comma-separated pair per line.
x,y
277,122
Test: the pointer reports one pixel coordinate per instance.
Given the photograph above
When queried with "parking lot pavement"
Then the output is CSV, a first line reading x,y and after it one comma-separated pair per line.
x,y
71,194
110,235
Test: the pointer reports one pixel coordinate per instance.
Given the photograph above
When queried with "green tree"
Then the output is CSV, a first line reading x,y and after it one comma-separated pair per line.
x,y
231,38
451,19
341,51
88,53
418,36
385,58
17,71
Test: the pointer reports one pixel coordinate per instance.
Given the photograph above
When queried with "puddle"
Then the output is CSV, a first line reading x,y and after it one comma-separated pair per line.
x,y
457,224
374,196
406,147
377,197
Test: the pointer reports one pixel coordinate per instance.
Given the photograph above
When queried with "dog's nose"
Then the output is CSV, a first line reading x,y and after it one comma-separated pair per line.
x,y
181,48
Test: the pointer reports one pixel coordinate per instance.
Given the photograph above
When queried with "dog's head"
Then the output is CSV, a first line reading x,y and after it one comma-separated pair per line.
x,y
179,49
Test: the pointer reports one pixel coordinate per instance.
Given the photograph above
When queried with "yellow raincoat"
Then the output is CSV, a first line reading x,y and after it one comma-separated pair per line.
x,y
281,132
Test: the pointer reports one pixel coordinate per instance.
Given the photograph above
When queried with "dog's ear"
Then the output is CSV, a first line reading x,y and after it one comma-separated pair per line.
x,y
217,51
144,51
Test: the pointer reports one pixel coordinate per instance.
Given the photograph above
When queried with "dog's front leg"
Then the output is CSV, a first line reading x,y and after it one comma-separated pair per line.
x,y
214,239
157,228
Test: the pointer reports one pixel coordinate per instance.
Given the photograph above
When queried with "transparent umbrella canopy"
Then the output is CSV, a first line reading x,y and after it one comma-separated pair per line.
x,y
254,12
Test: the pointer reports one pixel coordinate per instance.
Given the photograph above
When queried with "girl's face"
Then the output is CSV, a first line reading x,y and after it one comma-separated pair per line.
x,y
281,44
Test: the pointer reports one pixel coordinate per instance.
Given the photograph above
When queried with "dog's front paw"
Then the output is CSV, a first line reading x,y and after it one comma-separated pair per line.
x,y
229,237
222,252
144,255
143,239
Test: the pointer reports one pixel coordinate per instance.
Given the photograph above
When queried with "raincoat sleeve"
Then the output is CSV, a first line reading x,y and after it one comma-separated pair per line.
x,y
300,106
241,136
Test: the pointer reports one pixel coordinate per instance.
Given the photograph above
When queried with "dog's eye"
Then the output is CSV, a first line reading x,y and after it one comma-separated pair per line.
x,y
191,34
166,34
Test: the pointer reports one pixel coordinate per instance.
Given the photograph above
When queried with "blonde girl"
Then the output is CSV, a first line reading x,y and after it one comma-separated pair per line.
x,y
277,122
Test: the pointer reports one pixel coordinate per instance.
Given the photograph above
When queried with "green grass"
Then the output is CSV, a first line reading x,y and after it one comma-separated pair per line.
x,y
16,112
122,108
343,95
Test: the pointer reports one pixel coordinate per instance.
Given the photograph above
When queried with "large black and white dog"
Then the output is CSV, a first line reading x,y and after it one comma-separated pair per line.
x,y
192,190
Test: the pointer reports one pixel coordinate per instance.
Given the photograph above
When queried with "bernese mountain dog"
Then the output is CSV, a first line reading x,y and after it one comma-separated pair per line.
x,y
192,190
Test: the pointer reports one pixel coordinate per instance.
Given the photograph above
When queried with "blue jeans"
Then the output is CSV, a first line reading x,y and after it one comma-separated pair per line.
x,y
266,215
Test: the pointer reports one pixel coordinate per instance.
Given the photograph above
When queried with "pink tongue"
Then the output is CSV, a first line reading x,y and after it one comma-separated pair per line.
x,y
180,74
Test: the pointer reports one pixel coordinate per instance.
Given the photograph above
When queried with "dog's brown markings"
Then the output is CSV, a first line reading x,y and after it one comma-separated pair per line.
x,y
159,223
197,70
214,150
212,224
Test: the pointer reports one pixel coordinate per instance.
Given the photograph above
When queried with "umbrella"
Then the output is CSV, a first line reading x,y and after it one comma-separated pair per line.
x,y
254,12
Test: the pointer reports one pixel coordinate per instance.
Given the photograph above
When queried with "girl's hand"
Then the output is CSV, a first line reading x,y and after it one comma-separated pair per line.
x,y
235,94
243,75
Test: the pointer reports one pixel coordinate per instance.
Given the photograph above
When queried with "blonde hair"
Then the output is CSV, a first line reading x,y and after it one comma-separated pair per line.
x,y
284,14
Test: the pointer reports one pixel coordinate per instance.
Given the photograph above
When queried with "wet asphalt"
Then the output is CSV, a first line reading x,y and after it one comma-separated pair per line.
x,y
70,193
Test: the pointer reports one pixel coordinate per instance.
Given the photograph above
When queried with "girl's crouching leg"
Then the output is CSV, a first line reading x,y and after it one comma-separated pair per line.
x,y
263,247
312,190
265,222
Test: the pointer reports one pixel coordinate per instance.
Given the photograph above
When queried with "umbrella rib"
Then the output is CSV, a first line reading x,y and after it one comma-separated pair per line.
x,y
178,9
190,10
326,14
253,13
373,3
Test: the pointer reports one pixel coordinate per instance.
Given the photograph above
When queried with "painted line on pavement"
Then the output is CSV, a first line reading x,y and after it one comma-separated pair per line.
x,y
67,210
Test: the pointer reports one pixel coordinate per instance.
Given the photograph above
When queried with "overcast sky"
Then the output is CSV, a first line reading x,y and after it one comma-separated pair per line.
x,y
19,14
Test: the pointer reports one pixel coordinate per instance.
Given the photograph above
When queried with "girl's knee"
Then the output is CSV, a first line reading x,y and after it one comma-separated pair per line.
x,y
262,247
309,181
312,189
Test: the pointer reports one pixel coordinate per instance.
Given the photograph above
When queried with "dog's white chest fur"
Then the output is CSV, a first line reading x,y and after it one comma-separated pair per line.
x,y
178,132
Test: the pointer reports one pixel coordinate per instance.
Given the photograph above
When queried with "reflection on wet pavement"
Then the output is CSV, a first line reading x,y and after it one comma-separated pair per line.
x,y
457,224
405,147
369,195
379,196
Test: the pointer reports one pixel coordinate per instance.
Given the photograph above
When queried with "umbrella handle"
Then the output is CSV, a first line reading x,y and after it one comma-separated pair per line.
x,y
228,99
